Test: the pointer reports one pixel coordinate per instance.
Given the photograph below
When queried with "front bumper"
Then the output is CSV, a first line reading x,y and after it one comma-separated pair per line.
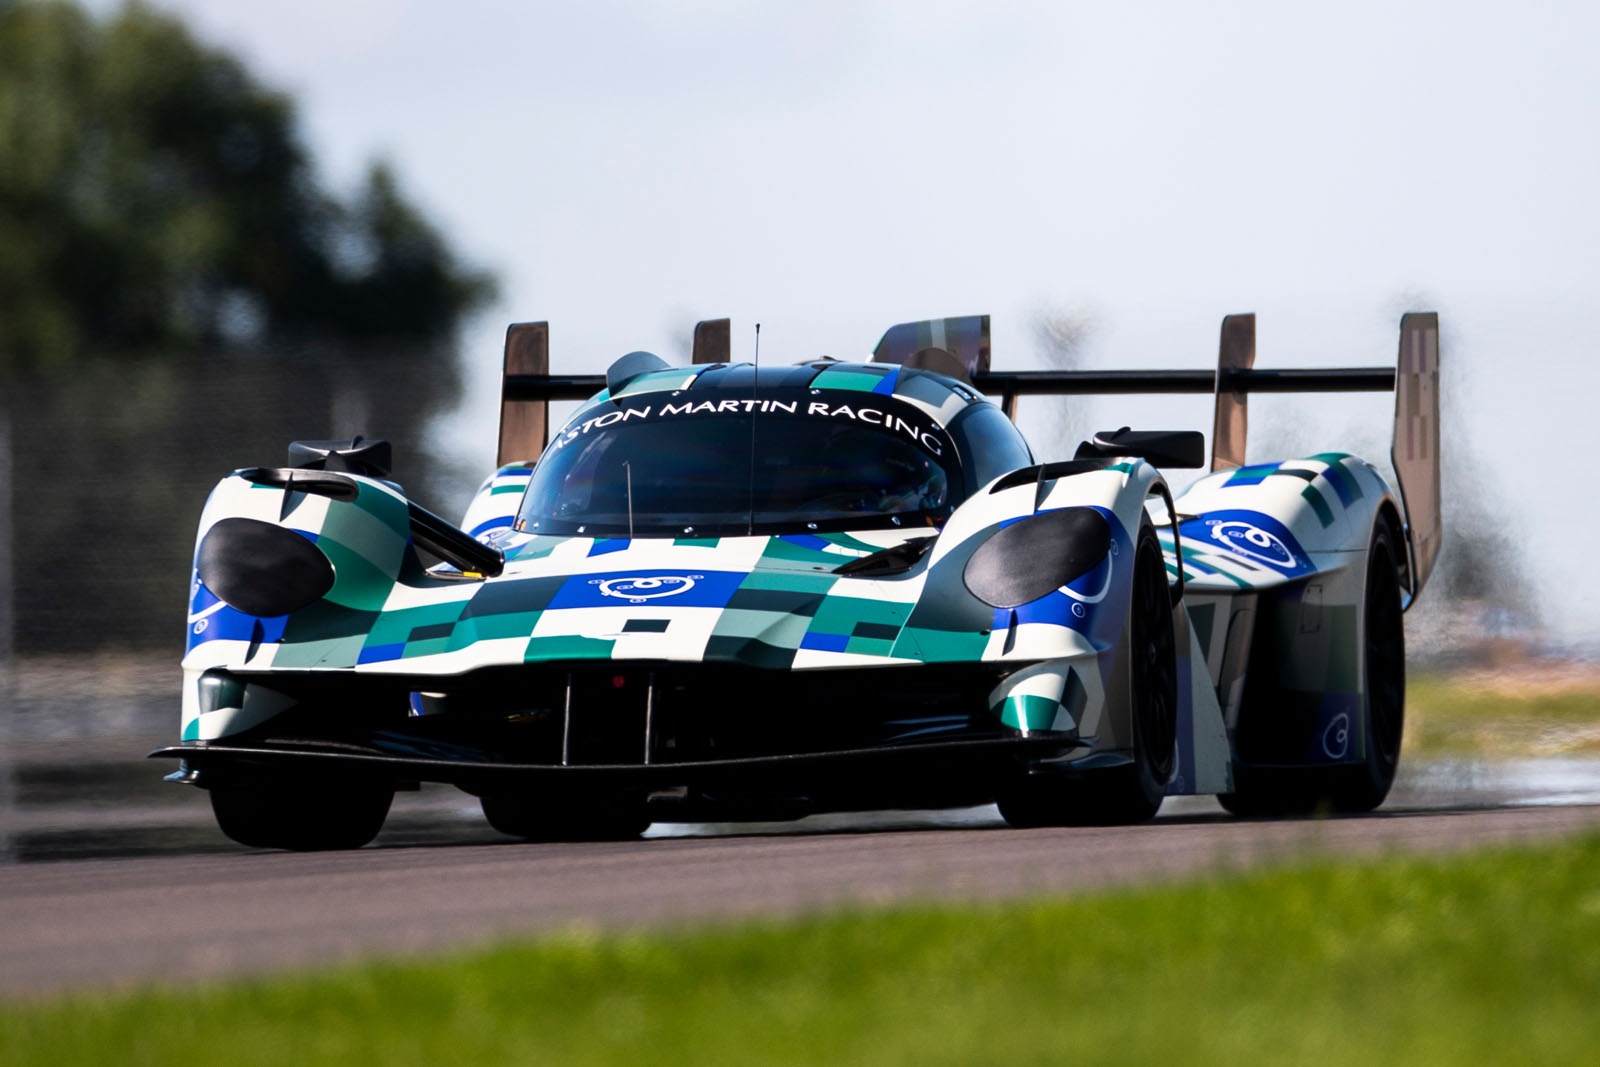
x,y
814,740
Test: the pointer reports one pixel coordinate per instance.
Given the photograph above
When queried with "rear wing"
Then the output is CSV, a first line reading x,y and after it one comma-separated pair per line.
x,y
527,386
960,347
1414,380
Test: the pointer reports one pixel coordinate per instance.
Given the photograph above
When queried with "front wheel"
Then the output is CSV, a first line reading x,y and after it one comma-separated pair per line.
x,y
302,816
1132,793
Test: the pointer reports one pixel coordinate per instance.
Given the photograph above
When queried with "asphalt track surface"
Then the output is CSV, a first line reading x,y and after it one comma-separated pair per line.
x,y
196,908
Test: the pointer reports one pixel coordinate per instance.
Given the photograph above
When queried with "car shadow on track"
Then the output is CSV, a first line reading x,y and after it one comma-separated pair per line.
x,y
457,829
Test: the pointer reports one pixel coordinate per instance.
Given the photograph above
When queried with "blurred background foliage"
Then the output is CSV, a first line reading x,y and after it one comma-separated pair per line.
x,y
155,198
180,296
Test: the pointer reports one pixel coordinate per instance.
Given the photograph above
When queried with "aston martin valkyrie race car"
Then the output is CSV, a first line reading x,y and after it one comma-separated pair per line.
x,y
729,592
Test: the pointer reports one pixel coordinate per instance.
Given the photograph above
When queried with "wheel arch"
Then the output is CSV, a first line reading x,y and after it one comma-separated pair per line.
x,y
1388,518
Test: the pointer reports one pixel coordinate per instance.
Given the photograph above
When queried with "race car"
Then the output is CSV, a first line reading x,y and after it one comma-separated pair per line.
x,y
734,591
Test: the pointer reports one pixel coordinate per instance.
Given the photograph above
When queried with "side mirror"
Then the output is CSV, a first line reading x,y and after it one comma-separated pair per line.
x,y
1163,448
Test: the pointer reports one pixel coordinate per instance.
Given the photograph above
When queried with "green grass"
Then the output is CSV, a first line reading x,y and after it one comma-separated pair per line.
x,y
1499,720
1492,957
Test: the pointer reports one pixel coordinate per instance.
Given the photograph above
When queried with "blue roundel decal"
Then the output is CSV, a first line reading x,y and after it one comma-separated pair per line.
x,y
1248,539
666,589
646,587
1253,535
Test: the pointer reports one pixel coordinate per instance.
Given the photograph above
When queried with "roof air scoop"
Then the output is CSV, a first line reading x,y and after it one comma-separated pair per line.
x,y
358,456
630,366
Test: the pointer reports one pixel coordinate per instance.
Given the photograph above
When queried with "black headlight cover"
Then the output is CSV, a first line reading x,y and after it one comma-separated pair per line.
x,y
261,568
1022,562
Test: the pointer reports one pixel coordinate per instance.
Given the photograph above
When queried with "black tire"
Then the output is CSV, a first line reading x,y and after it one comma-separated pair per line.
x,y
1132,793
1272,792
1359,787
301,816
533,817
1363,786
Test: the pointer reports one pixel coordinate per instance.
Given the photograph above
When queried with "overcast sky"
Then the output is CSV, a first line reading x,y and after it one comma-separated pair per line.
x,y
829,169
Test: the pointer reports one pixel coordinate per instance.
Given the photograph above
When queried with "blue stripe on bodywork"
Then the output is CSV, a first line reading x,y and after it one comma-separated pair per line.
x,y
230,624
605,545
825,642
491,524
380,653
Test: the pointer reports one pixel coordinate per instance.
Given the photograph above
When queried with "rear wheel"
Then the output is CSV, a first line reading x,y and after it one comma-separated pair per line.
x,y
1349,787
542,818
1364,786
1131,793
304,815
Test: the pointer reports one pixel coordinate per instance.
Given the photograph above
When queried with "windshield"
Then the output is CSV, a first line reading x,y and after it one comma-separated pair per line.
x,y
683,467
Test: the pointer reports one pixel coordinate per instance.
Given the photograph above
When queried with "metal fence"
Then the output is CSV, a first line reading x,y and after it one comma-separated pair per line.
x,y
109,467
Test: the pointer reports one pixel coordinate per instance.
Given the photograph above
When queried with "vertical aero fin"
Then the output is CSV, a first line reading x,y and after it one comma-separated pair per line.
x,y
1235,352
711,341
965,337
1415,452
524,424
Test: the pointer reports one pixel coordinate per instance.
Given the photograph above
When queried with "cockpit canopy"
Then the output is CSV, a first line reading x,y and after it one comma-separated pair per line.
x,y
771,461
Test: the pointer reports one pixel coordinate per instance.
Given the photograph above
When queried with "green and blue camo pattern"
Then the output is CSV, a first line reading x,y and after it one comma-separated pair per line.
x,y
770,602
1254,527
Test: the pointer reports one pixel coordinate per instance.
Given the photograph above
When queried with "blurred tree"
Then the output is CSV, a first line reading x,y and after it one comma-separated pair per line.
x,y
155,198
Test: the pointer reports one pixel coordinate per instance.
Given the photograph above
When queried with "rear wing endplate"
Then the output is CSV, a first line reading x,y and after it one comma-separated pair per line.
x,y
1415,451
524,419
965,337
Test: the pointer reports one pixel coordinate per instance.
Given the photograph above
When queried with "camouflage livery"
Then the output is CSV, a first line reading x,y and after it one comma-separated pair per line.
x,y
424,655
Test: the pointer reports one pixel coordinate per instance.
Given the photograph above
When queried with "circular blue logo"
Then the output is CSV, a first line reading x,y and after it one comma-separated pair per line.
x,y
1250,540
639,588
